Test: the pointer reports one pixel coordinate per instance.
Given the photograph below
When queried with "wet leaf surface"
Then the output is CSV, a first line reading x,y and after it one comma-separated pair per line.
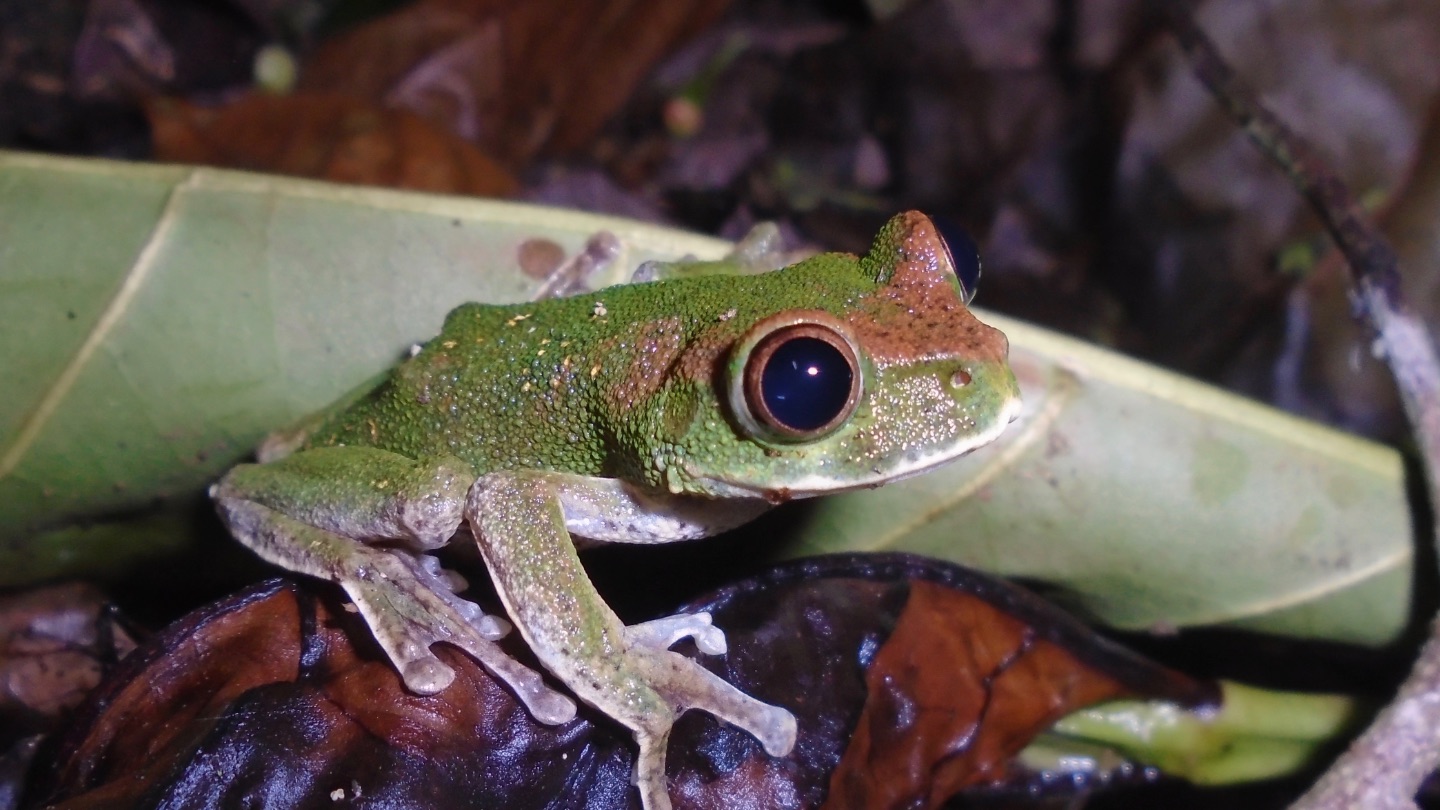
x,y
911,680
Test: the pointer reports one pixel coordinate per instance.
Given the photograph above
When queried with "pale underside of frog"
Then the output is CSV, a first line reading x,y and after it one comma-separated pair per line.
x,y
652,412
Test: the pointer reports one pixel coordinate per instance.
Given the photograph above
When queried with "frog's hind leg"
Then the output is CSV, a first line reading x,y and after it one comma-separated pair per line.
x,y
401,593
519,520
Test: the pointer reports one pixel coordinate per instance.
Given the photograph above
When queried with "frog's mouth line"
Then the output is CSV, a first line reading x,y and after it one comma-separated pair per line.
x,y
813,485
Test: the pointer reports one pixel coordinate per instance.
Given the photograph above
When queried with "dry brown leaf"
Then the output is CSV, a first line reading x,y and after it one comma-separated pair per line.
x,y
948,710
519,78
54,646
329,137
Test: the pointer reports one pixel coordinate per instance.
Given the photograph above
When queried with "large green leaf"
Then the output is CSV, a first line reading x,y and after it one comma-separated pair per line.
x,y
1157,501
156,321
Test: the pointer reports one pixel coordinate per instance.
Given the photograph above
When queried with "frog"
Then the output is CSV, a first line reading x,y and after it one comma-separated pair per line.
x,y
672,408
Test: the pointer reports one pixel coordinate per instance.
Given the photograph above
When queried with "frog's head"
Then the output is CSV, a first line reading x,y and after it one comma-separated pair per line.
x,y
887,375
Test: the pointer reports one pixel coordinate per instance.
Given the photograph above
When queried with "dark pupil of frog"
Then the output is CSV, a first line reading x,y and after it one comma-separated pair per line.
x,y
806,383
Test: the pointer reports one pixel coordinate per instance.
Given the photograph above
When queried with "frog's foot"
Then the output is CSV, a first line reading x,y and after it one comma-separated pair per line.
x,y
407,605
687,685
408,609
572,276
760,251
661,634
670,678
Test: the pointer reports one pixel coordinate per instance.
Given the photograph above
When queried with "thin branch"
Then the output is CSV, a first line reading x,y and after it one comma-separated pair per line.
x,y
1384,766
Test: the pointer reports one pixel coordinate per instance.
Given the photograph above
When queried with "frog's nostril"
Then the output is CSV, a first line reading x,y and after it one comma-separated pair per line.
x,y
960,378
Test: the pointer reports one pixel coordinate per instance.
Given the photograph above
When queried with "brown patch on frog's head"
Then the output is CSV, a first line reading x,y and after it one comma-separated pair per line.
x,y
652,347
919,311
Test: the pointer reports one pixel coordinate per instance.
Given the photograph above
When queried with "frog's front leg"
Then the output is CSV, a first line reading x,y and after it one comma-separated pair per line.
x,y
317,511
520,521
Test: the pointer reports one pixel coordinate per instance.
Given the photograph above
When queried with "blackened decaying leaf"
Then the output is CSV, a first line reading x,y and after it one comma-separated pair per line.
x,y
278,697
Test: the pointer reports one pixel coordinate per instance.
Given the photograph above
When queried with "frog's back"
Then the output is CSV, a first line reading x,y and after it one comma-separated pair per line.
x,y
495,389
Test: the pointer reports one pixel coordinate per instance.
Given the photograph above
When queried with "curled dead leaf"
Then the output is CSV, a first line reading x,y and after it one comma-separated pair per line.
x,y
911,680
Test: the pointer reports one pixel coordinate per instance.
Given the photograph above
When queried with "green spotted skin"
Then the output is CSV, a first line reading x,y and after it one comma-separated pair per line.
x,y
631,382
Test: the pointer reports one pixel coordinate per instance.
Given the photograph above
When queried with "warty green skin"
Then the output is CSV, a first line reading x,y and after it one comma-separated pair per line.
x,y
617,416
630,383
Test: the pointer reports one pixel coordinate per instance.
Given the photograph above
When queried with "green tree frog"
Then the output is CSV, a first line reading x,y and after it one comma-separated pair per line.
x,y
650,412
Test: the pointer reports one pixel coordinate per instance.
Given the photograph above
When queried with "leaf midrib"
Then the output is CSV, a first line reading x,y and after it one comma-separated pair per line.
x,y
134,281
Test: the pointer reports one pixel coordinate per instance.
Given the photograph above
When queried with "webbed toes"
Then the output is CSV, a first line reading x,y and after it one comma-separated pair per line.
x,y
685,684
426,676
661,634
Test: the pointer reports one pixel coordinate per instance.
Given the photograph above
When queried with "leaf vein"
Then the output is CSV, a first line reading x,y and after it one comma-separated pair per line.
x,y
115,311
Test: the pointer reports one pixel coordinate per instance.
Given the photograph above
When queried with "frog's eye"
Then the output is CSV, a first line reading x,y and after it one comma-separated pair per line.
x,y
964,257
801,380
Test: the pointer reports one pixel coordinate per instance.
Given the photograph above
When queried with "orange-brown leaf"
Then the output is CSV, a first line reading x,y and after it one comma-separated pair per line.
x,y
327,137
950,708
519,78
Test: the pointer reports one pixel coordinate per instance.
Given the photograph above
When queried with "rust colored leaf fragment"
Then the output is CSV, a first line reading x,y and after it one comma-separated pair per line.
x,y
328,137
517,78
948,709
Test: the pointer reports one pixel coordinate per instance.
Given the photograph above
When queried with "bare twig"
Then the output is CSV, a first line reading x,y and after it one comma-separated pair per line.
x,y
1384,766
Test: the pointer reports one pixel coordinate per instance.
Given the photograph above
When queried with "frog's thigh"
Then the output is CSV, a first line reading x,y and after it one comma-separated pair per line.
x,y
305,513
359,492
520,523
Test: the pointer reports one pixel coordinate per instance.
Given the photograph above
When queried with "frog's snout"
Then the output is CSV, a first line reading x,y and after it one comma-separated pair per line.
x,y
979,386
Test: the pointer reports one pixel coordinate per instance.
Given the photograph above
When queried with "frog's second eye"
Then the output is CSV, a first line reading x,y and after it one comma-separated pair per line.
x,y
801,381
964,257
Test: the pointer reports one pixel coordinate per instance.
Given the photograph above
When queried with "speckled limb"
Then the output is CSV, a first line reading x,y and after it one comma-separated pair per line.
x,y
519,521
401,595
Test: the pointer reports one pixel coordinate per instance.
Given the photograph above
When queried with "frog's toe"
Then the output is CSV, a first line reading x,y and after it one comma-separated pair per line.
x,y
490,627
777,732
545,704
409,609
686,684
660,634
426,676
452,579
